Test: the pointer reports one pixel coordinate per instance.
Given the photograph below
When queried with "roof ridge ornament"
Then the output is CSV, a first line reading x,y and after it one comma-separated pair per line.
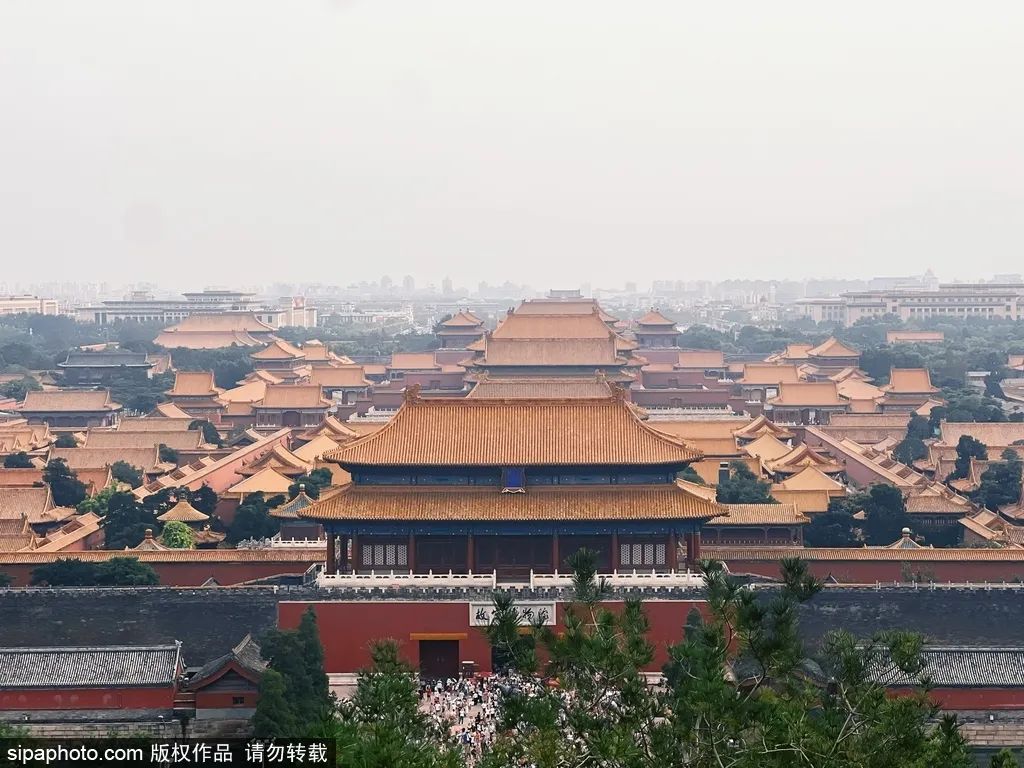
x,y
412,394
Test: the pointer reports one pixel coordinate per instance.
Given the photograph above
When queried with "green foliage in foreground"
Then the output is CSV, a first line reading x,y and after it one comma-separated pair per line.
x,y
115,572
739,692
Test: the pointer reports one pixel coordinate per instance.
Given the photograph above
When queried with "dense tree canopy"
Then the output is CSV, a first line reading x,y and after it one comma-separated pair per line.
x,y
124,472
1000,482
177,535
252,519
294,694
19,460
67,490
19,387
115,572
967,448
743,487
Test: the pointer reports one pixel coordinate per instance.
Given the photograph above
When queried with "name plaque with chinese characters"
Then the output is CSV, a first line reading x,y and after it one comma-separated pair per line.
x,y
529,611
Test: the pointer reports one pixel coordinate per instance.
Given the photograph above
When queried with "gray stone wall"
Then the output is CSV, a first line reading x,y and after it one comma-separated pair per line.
x,y
210,621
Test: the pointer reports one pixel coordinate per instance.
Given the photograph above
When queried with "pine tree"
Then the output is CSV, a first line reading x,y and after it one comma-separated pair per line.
x,y
274,716
313,656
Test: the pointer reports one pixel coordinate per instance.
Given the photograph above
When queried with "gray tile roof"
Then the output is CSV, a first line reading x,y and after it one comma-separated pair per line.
x,y
962,667
105,359
88,667
247,653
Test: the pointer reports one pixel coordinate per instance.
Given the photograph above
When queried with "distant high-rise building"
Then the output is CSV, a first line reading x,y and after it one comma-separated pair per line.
x,y
446,286
408,284
386,282
631,287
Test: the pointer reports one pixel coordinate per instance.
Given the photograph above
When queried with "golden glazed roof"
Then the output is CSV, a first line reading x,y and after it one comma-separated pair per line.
x,y
909,380
766,373
539,503
807,393
279,349
556,352
832,347
526,387
182,512
482,432
194,384
68,400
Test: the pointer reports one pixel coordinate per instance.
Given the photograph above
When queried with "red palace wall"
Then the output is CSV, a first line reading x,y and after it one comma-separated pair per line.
x,y
347,629
190,574
87,698
225,699
869,571
960,699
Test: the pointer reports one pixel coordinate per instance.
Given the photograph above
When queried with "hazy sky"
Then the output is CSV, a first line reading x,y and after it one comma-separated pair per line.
x,y
222,141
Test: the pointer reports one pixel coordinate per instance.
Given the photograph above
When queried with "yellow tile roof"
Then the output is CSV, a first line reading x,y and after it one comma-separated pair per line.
x,y
315,448
856,389
174,339
514,433
463,319
562,307
182,512
655,318
832,347
761,514
294,396
588,502
413,361
194,384
761,426
18,502
168,410
520,387
960,554
342,376
768,374
767,448
189,440
155,424
557,352
54,401
807,394
145,459
279,349
266,480
909,380
250,392
810,479
530,326
20,478
999,434
807,502
700,358
803,456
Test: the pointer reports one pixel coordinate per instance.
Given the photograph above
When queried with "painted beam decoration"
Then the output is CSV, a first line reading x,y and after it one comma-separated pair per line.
x,y
480,613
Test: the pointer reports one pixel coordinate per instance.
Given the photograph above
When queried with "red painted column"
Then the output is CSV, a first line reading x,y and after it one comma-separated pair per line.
x,y
696,547
355,553
470,555
615,551
688,537
343,554
330,565
672,561
411,555
554,552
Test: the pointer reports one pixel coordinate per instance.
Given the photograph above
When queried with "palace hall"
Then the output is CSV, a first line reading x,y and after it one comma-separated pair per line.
x,y
512,487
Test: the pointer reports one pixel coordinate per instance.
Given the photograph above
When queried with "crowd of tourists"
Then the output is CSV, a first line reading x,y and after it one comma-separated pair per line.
x,y
470,707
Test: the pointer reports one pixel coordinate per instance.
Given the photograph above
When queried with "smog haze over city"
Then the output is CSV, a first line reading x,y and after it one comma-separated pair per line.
x,y
194,143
